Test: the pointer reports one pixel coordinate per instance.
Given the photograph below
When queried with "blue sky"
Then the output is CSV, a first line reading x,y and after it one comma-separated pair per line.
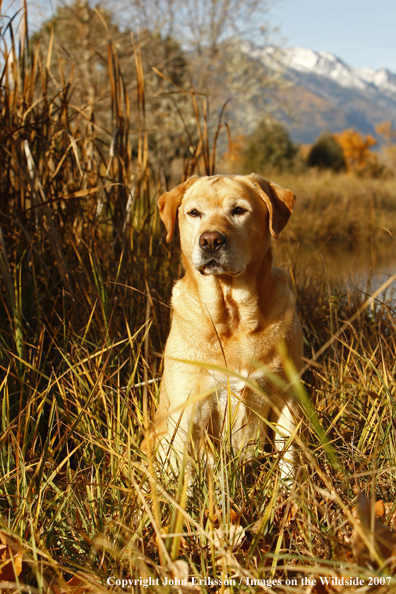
x,y
361,32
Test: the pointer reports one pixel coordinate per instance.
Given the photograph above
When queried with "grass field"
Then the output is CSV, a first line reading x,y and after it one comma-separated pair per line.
x,y
86,277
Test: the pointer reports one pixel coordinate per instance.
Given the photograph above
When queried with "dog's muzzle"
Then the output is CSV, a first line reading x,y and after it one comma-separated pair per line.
x,y
211,241
212,257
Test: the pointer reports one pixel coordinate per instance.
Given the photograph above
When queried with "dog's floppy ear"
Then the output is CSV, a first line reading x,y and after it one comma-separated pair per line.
x,y
279,201
169,203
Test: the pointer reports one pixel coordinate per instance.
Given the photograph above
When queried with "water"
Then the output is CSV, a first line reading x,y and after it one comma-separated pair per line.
x,y
366,267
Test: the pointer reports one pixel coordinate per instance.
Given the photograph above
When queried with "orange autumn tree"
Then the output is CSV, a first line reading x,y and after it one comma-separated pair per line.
x,y
388,133
386,130
356,149
233,156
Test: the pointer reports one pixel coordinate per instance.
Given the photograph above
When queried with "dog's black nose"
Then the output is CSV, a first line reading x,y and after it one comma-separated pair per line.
x,y
211,241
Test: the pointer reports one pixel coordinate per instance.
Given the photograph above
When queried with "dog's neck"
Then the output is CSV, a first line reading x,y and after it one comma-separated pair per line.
x,y
236,303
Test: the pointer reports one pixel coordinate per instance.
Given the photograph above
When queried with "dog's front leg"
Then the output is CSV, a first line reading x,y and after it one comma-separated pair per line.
x,y
285,426
184,416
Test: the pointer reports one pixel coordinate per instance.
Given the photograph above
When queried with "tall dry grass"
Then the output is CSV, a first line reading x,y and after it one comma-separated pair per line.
x,y
85,284
342,208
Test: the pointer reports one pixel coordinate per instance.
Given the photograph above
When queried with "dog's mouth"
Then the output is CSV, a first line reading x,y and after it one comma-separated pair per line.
x,y
214,267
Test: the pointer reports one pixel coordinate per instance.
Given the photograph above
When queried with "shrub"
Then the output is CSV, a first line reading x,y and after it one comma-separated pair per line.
x,y
269,147
326,153
375,169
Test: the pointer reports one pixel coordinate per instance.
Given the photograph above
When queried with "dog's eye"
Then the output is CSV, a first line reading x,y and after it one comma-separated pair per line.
x,y
238,210
194,213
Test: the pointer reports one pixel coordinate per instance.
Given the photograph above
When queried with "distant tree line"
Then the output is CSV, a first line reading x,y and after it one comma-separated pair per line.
x,y
175,50
184,47
270,148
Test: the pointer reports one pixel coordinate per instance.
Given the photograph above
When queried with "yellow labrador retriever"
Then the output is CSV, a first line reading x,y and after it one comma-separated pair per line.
x,y
231,309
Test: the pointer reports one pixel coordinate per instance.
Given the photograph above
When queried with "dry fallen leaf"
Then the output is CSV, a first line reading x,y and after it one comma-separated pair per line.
x,y
79,586
318,588
292,514
76,585
234,537
11,558
382,538
382,510
180,571
217,519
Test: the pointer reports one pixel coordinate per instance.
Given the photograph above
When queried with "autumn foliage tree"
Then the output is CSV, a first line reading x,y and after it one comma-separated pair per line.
x,y
233,156
388,133
386,130
356,149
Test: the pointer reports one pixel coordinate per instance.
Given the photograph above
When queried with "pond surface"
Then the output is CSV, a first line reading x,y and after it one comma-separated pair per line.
x,y
366,267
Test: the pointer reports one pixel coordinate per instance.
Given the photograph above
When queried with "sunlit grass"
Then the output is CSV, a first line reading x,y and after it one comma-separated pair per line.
x,y
341,208
84,314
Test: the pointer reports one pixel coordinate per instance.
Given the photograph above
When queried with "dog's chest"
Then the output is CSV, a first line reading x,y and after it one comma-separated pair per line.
x,y
244,395
239,382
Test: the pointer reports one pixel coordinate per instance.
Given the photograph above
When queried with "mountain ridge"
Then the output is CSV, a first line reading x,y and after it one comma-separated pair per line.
x,y
327,93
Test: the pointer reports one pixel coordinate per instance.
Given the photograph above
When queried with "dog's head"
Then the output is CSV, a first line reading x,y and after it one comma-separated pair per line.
x,y
226,221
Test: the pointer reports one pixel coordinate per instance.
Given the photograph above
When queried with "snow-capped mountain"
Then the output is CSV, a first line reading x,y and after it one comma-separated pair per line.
x,y
327,93
329,66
